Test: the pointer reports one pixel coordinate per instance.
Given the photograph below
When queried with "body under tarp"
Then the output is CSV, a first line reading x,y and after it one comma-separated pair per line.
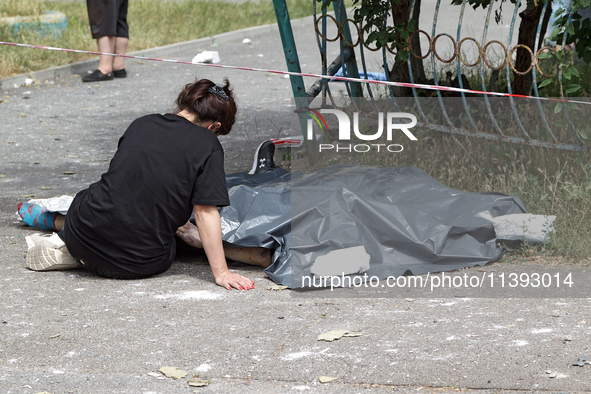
x,y
407,222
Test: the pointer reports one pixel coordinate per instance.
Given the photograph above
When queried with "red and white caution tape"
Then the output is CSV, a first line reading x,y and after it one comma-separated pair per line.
x,y
344,79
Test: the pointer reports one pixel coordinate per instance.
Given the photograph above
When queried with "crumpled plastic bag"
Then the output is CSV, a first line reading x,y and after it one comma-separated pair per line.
x,y
207,57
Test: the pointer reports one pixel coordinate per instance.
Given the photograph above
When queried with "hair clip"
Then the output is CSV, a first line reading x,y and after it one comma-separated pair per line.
x,y
218,90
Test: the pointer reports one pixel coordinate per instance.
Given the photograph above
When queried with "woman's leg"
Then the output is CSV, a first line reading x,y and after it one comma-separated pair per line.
x,y
59,222
260,257
102,266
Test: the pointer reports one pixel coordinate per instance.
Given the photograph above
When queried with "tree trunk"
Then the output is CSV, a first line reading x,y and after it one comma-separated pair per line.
x,y
522,84
399,71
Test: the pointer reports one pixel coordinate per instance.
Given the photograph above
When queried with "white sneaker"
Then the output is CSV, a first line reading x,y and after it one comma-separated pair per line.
x,y
42,258
49,240
48,253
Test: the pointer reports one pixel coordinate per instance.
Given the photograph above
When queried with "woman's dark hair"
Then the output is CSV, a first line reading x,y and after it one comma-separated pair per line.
x,y
208,106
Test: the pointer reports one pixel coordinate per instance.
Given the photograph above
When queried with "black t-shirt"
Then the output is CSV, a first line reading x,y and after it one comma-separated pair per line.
x,y
163,166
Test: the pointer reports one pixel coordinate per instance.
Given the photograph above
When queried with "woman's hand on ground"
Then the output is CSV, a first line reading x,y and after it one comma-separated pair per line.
x,y
231,280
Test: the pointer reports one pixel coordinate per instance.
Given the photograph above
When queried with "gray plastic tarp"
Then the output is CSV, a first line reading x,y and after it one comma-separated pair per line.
x,y
407,221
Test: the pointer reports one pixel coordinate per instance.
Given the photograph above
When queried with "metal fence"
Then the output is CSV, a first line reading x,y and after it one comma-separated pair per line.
x,y
532,121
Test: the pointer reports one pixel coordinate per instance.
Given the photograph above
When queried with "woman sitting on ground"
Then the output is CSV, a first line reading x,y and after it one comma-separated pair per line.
x,y
166,166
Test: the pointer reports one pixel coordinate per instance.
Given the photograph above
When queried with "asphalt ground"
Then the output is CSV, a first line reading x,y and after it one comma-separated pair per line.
x,y
73,332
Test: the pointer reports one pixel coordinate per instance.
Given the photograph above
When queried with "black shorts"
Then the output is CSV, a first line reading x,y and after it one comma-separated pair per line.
x,y
108,18
102,266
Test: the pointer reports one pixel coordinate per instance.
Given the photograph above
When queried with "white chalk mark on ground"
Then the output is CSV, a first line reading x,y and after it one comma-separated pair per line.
x,y
520,343
440,358
296,356
301,388
541,330
191,295
203,368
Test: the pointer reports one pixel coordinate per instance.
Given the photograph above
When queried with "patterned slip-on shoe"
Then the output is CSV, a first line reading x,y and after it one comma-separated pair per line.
x,y
36,216
42,258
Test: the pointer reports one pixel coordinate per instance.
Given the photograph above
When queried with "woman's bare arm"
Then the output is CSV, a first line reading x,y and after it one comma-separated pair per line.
x,y
208,222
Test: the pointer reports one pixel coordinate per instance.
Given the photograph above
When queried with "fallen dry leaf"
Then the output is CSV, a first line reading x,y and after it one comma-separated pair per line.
x,y
276,287
326,379
55,336
332,335
155,374
173,372
45,188
68,172
28,195
198,382
2,175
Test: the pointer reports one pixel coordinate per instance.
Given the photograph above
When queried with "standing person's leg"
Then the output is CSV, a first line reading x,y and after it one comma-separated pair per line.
x,y
104,17
121,41
112,44
106,45
120,49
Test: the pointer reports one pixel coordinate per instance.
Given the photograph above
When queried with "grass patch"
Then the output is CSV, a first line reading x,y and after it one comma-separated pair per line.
x,y
152,23
20,7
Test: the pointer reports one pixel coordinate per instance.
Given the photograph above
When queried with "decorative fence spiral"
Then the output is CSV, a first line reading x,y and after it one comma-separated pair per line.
x,y
432,48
